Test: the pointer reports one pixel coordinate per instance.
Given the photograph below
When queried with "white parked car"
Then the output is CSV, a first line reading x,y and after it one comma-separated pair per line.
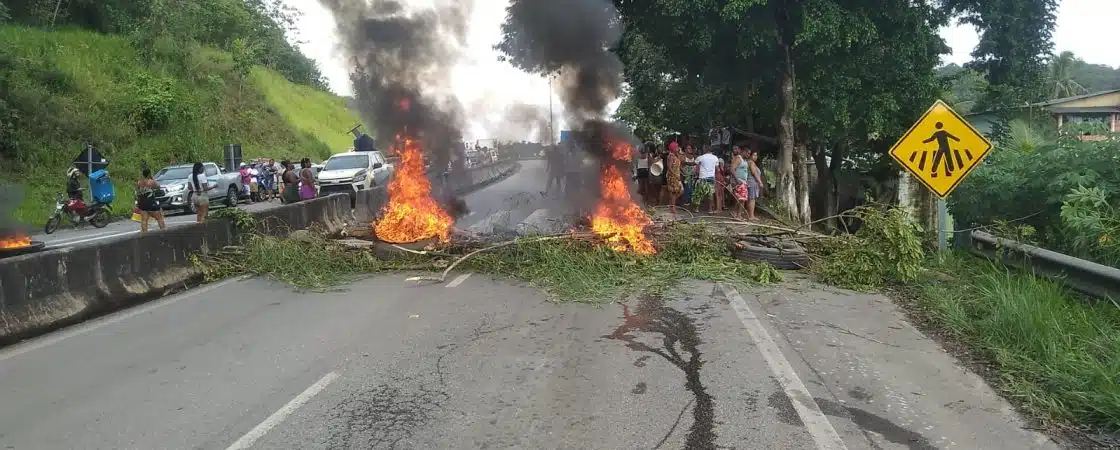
x,y
353,171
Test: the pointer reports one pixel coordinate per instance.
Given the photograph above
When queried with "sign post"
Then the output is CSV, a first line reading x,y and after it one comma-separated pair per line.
x,y
90,160
940,150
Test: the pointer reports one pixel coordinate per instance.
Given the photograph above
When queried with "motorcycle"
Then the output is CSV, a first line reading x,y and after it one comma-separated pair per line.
x,y
76,212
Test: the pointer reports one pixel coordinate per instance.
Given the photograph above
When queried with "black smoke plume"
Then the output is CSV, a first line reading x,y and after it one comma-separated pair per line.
x,y
401,66
572,40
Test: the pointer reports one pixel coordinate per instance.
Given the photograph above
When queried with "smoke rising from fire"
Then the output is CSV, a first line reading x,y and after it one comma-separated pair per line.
x,y
570,38
401,64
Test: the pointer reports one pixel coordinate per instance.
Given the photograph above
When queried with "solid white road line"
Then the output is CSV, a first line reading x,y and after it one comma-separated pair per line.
x,y
65,243
811,415
97,237
277,417
458,280
110,319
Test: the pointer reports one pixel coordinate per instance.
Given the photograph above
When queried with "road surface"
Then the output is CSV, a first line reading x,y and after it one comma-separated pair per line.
x,y
482,363
123,227
517,204
476,362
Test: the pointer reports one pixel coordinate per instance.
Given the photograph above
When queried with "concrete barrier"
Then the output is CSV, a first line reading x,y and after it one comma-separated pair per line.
x,y
43,291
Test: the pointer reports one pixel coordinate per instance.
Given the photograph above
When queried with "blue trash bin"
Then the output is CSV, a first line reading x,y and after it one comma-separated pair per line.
x,y
101,187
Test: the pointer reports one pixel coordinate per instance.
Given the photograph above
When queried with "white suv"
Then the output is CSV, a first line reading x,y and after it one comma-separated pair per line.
x,y
352,172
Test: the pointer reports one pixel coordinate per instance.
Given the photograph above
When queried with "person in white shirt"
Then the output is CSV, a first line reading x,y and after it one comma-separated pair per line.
x,y
706,166
641,171
199,187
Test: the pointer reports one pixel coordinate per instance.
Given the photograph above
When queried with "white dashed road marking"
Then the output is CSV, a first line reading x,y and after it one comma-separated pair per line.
x,y
277,417
458,280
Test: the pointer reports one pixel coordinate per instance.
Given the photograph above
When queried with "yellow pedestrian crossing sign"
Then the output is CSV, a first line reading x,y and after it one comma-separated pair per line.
x,y
941,149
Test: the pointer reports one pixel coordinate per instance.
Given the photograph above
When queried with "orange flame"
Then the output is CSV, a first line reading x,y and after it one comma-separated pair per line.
x,y
14,241
412,214
619,220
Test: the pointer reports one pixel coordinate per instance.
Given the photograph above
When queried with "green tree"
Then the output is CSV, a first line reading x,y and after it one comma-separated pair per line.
x,y
1014,41
1060,75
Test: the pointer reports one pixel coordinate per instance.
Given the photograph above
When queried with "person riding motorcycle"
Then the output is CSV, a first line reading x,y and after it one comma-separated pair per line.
x,y
77,204
73,184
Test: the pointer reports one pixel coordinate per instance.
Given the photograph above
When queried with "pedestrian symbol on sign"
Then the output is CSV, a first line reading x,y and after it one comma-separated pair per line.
x,y
959,149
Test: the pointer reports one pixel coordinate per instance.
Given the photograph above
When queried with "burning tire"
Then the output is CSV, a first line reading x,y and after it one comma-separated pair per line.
x,y
778,253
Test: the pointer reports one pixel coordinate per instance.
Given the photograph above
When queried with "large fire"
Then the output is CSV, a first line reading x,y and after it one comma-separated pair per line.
x,y
14,241
617,219
412,214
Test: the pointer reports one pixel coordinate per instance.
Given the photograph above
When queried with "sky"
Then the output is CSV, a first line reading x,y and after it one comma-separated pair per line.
x,y
1082,27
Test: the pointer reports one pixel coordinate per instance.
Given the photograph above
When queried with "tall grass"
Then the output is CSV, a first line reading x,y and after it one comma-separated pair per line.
x,y
68,87
1057,355
308,110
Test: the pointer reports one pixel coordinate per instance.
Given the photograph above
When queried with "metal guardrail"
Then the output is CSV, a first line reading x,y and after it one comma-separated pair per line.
x,y
1087,277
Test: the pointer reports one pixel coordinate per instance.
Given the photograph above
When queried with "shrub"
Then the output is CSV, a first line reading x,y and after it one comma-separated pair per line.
x,y
1029,184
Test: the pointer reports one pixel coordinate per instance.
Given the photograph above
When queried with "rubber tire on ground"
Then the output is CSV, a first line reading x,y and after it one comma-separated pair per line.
x,y
99,219
231,196
52,224
779,258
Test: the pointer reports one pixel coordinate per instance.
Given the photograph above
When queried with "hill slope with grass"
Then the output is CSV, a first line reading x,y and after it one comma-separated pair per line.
x,y
168,103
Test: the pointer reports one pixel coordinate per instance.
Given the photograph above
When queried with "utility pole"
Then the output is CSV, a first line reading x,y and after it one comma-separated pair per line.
x,y
551,131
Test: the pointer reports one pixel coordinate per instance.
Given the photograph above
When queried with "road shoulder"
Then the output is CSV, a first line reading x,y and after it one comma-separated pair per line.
x,y
899,387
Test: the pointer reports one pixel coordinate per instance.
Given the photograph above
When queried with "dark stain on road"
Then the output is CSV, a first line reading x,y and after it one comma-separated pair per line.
x,y
871,422
641,361
680,346
783,406
388,415
860,394
639,388
384,416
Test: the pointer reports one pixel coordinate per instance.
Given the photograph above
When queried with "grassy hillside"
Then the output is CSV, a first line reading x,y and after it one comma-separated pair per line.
x,y
167,104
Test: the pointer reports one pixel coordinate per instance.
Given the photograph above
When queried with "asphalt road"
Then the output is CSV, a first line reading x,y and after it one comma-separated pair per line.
x,y
480,363
517,204
123,227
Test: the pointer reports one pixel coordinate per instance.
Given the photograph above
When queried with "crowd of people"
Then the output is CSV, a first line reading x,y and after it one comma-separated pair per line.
x,y
262,180
685,178
719,177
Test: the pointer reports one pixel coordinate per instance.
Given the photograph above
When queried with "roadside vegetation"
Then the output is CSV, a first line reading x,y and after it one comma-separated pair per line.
x,y
153,82
570,269
1047,349
1051,190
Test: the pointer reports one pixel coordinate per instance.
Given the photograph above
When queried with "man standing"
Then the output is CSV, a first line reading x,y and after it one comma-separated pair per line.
x,y
705,189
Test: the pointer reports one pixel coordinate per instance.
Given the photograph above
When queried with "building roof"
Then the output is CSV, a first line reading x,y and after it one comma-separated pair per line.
x,y
1083,109
1058,101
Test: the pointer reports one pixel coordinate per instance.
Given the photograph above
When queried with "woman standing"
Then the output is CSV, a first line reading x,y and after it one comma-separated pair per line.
x,y
688,175
306,180
291,183
754,182
146,201
199,188
673,185
740,171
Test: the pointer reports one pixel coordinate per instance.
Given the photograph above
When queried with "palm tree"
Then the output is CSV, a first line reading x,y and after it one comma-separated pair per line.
x,y
1061,75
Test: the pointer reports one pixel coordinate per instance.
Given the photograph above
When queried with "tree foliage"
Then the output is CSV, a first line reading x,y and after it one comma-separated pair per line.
x,y
1014,44
266,25
1031,185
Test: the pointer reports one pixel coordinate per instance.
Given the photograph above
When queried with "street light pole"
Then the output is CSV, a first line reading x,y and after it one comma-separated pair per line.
x,y
551,131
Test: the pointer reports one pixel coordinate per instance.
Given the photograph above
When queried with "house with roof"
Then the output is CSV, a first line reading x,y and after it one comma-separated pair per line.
x,y
1093,115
